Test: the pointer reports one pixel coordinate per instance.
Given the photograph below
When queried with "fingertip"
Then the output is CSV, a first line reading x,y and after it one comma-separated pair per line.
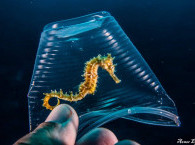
x,y
127,142
98,136
60,127
108,133
68,118
62,113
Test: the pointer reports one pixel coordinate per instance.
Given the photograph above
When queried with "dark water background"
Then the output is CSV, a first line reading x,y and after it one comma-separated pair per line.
x,y
163,31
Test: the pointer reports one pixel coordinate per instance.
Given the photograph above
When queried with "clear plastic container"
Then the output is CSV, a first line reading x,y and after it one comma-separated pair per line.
x,y
65,47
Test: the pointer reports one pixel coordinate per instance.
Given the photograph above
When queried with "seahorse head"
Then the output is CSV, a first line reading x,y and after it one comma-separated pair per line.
x,y
108,65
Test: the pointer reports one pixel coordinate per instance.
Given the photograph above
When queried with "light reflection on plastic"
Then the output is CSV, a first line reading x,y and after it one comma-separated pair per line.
x,y
115,44
110,37
40,66
50,44
156,88
137,70
44,55
42,61
47,49
141,73
52,32
51,38
112,41
134,66
145,77
149,80
152,84
37,72
55,26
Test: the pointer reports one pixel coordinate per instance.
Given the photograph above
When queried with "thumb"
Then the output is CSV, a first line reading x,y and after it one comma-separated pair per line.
x,y
60,127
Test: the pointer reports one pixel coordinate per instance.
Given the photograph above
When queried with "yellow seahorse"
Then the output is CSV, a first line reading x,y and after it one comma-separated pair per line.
x,y
90,83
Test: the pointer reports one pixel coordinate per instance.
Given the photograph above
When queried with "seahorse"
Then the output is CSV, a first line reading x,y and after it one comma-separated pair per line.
x,y
89,85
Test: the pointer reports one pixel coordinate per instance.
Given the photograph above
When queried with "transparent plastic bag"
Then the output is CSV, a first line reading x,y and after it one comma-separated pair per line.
x,y
64,49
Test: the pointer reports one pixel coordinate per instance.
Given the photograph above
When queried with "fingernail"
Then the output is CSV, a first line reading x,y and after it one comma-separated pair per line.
x,y
60,114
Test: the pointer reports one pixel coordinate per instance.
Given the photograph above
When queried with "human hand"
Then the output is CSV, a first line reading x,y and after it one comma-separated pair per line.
x,y
60,128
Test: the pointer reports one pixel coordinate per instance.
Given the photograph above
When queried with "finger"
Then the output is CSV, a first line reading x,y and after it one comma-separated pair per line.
x,y
60,128
42,135
98,136
66,115
127,142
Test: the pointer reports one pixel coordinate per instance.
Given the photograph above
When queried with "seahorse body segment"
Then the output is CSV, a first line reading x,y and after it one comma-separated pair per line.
x,y
89,85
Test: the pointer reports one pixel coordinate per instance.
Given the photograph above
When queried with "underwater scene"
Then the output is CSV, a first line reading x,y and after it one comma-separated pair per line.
x,y
66,47
126,66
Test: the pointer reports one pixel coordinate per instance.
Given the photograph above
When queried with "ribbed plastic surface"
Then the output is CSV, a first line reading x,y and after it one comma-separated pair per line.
x,y
64,48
